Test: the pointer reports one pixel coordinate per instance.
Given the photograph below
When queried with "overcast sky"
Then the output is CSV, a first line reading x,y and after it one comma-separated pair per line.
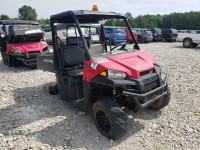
x,y
46,8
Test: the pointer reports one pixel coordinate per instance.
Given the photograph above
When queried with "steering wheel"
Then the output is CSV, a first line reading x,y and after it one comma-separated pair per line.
x,y
105,43
121,44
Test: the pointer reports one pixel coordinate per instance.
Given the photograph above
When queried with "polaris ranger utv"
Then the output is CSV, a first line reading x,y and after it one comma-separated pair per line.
x,y
103,78
21,41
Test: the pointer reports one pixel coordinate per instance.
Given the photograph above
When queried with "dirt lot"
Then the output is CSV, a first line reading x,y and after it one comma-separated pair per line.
x,y
30,118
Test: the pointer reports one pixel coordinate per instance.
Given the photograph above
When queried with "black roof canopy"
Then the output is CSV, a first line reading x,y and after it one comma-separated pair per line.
x,y
18,22
84,16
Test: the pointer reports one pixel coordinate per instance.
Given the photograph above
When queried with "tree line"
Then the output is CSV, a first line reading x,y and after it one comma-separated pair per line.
x,y
180,21
26,13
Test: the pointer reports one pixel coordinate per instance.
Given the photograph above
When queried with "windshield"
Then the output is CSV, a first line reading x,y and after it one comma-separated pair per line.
x,y
118,30
158,31
134,31
174,31
137,30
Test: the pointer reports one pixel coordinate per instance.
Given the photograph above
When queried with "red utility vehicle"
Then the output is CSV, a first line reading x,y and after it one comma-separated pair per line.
x,y
103,78
128,35
21,42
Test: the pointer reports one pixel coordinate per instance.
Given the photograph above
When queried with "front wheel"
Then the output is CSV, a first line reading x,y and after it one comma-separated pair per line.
x,y
187,43
162,102
10,60
109,118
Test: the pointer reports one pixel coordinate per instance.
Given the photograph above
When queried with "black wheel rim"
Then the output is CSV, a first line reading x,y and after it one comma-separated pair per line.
x,y
103,121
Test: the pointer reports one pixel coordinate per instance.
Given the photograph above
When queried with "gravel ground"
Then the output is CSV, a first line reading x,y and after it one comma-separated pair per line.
x,y
30,118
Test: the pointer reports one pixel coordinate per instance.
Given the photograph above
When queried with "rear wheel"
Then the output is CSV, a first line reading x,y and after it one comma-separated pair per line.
x,y
162,102
32,66
3,57
140,40
131,42
164,39
187,43
109,118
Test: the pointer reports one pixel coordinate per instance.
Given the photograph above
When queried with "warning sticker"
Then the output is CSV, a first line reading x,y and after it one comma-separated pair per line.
x,y
96,62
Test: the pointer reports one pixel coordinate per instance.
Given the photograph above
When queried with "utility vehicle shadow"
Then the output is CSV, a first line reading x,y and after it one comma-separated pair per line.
x,y
58,123
17,69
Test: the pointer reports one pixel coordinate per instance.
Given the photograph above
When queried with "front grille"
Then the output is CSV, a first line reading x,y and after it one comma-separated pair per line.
x,y
151,86
146,72
32,55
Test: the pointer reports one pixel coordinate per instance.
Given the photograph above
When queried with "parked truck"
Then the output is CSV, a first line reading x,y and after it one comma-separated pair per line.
x,y
191,40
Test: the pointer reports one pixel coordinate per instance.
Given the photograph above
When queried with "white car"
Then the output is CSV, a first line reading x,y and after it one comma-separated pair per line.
x,y
61,33
191,40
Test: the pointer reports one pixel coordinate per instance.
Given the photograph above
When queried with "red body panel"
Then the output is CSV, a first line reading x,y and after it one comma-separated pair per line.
x,y
27,47
128,35
131,63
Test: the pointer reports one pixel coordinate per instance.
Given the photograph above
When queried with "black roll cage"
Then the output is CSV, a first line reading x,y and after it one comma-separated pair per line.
x,y
71,17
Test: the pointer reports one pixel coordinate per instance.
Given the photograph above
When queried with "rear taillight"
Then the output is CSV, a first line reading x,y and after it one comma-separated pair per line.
x,y
177,35
172,35
43,34
63,33
155,35
161,35
114,36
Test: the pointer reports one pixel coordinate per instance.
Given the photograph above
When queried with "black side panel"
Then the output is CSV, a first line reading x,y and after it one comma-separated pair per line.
x,y
46,62
70,89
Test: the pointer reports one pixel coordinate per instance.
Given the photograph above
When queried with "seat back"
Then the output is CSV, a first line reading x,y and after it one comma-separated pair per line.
x,y
73,56
76,41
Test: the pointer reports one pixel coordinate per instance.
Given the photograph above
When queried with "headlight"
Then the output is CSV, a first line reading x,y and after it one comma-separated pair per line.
x,y
17,52
116,75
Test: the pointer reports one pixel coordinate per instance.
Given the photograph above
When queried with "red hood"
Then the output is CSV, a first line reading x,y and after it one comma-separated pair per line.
x,y
27,47
131,63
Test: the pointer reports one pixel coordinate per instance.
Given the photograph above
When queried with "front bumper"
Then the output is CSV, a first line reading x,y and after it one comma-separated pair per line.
x,y
28,59
149,97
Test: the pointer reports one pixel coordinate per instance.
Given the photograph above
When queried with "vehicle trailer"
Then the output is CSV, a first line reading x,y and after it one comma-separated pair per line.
x,y
21,42
103,78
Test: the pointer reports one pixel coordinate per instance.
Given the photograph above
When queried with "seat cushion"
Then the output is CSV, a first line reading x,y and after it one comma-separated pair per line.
x,y
75,73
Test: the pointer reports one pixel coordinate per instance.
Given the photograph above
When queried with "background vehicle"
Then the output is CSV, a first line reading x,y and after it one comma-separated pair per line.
x,y
144,35
169,35
183,33
61,33
103,77
94,33
191,40
21,42
157,35
128,35
115,34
